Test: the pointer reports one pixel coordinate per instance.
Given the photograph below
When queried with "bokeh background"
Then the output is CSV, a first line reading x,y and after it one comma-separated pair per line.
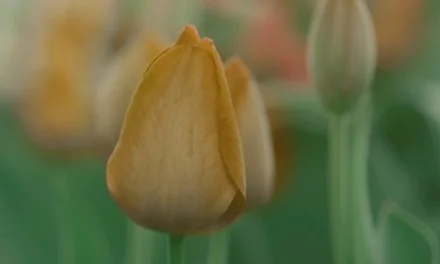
x,y
54,206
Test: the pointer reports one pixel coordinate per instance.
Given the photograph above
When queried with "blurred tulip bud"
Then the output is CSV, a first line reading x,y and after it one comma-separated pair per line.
x,y
178,164
120,80
399,25
63,61
342,53
255,133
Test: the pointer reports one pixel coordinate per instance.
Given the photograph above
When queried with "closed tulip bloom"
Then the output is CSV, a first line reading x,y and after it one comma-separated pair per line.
x,y
120,81
255,133
178,164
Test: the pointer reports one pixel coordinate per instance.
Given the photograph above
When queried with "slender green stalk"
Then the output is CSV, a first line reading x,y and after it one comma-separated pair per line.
x,y
364,231
340,189
176,249
66,243
218,252
141,244
352,223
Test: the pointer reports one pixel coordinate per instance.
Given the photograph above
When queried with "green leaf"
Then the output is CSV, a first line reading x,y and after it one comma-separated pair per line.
x,y
406,238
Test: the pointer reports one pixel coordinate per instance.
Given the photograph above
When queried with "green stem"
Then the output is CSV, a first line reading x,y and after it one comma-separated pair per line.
x,y
176,249
340,191
141,244
218,252
66,243
364,231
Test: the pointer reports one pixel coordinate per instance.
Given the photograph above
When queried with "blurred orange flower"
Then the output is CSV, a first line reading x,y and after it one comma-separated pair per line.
x,y
275,43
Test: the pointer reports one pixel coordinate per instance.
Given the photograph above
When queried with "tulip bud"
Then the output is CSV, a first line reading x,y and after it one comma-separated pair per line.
x,y
342,56
178,164
255,133
118,84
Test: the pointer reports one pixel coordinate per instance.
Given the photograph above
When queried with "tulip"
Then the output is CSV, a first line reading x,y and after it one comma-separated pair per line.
x,y
178,164
118,84
254,127
63,58
342,53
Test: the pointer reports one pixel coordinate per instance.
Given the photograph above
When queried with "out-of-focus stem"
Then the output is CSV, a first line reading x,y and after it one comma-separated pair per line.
x,y
352,227
66,243
176,249
340,189
364,231
140,244
218,252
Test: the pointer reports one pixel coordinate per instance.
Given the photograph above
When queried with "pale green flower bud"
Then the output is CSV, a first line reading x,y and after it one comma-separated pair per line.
x,y
342,52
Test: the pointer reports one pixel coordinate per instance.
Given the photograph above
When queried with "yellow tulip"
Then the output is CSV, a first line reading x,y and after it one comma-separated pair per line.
x,y
255,133
118,84
61,63
178,164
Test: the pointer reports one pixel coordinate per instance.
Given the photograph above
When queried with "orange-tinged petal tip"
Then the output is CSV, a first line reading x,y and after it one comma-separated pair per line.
x,y
239,79
188,36
236,67
208,43
190,27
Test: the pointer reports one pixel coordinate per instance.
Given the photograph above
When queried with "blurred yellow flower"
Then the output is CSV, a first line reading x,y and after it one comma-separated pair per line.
x,y
178,165
60,70
120,81
399,30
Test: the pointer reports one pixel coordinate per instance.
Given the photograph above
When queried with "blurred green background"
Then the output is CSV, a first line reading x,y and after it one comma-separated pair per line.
x,y
56,209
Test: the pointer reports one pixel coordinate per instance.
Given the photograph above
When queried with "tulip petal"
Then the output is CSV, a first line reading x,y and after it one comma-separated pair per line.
x,y
178,164
255,132
119,83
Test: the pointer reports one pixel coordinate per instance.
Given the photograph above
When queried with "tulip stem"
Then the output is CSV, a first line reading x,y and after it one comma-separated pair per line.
x,y
141,244
364,230
176,249
218,252
352,225
66,243
340,193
